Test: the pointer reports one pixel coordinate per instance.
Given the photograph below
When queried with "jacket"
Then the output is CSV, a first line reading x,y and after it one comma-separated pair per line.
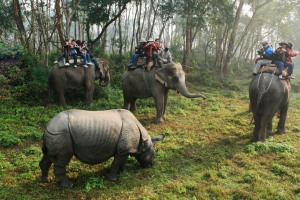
x,y
291,54
268,52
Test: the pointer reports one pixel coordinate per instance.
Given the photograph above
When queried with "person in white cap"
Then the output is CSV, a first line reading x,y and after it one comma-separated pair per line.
x,y
266,56
164,55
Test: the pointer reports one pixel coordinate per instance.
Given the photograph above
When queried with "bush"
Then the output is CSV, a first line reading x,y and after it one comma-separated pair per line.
x,y
9,50
117,65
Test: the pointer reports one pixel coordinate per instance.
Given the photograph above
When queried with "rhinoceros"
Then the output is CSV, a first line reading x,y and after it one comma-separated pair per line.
x,y
93,137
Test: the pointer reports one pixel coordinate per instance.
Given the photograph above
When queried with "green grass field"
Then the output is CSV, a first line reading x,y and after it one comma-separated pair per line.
x,y
206,154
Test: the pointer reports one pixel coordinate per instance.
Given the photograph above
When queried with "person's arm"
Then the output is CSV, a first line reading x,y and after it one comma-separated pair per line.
x,y
293,54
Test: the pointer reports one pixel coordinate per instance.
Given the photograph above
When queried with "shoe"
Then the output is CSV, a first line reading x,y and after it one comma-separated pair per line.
x,y
280,76
291,76
55,62
89,63
75,66
85,66
67,64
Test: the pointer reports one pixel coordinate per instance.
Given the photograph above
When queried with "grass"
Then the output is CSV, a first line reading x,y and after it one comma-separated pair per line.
x,y
207,153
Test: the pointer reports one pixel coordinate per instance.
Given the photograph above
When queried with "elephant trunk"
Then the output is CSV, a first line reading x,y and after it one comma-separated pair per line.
x,y
183,90
104,81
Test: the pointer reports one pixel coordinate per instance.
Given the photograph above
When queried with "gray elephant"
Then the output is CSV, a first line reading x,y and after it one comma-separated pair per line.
x,y
61,79
94,137
141,84
268,95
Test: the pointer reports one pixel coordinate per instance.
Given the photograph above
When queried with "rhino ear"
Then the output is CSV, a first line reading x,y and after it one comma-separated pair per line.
x,y
145,140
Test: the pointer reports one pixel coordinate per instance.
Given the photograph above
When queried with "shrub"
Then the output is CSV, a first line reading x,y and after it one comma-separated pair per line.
x,y
9,50
94,183
117,64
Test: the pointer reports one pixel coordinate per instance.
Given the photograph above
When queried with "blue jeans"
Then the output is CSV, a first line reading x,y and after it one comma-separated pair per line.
x,y
83,56
88,57
74,55
64,55
280,65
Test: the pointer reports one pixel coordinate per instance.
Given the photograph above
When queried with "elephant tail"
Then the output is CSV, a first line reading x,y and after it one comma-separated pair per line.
x,y
261,87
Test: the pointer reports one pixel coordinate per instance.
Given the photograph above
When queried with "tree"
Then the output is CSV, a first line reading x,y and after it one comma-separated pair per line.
x,y
6,19
101,12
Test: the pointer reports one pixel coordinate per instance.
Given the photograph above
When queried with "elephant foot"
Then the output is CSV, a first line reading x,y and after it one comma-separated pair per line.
x,y
111,177
133,110
66,183
280,132
159,120
253,139
45,179
270,133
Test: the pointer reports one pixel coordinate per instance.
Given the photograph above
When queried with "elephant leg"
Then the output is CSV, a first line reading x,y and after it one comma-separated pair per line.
x,y
269,129
45,164
61,96
60,162
165,104
50,93
126,102
159,100
266,120
257,120
282,118
132,105
89,96
117,164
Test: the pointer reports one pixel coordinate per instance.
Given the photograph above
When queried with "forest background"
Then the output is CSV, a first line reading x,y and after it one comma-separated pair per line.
x,y
216,42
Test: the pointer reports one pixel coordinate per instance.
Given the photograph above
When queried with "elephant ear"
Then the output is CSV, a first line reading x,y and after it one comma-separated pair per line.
x,y
161,76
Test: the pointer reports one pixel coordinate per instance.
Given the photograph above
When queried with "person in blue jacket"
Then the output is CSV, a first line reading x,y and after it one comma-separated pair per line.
x,y
265,56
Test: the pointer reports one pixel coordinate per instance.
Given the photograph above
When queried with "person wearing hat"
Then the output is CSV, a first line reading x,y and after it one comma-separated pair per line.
x,y
290,63
139,52
151,49
164,55
266,56
280,57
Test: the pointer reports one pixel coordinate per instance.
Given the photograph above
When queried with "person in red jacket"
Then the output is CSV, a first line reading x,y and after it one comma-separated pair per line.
x,y
290,63
151,48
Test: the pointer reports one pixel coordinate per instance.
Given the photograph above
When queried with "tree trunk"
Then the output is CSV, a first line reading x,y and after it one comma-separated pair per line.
x,y
59,26
186,57
20,24
133,28
231,41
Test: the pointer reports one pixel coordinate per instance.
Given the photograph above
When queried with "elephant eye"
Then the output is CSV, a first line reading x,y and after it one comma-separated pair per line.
x,y
175,79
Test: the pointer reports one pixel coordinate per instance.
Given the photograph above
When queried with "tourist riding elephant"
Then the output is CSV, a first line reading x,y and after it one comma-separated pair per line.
x,y
62,78
141,84
268,95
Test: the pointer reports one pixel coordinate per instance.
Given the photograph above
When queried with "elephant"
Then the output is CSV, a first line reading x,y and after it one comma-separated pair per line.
x,y
268,95
62,78
141,84
93,137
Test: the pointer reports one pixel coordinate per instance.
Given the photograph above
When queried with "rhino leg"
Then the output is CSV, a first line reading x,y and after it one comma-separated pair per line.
x,y
45,164
60,163
117,165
